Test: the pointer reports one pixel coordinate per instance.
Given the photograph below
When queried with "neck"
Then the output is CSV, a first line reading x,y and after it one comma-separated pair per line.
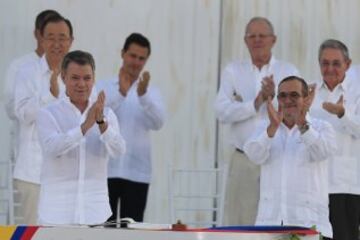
x,y
261,60
39,50
289,123
331,87
53,63
81,106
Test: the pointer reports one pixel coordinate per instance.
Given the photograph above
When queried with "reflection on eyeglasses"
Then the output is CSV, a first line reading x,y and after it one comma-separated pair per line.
x,y
260,36
334,64
292,95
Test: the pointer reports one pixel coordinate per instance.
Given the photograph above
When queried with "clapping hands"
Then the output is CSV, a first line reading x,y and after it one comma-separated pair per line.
x,y
335,108
95,113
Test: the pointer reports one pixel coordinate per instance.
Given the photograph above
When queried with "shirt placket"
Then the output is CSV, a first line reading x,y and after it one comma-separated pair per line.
x,y
81,180
284,172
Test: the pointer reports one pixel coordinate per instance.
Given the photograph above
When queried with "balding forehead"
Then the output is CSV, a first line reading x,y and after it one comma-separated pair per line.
x,y
260,20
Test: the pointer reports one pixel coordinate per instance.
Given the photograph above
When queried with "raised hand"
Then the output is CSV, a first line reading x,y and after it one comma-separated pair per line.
x,y
310,98
143,83
268,87
335,108
275,117
124,82
54,85
95,114
99,106
90,119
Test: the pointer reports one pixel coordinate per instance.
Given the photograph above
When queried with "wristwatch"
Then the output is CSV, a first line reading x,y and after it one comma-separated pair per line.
x,y
102,121
303,128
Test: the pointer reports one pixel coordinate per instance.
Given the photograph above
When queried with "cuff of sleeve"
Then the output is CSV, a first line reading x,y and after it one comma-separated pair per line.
x,y
47,97
76,133
144,99
251,107
118,100
264,139
108,134
345,119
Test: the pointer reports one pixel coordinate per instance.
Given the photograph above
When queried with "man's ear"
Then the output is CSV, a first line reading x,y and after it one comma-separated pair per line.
x,y
348,64
63,75
274,39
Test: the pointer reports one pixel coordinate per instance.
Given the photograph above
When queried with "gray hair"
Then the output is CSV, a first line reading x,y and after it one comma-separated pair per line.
x,y
256,19
79,57
334,44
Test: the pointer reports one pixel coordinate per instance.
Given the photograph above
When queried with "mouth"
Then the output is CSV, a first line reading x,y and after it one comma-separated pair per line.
x,y
290,106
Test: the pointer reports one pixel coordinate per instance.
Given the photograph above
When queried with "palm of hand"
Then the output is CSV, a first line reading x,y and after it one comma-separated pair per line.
x,y
275,117
143,83
334,108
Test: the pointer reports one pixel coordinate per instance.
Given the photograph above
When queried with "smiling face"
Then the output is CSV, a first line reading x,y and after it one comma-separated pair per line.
x,y
79,81
333,66
134,59
56,40
259,39
291,100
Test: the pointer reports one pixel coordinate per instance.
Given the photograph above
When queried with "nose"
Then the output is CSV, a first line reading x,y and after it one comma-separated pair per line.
x,y
81,83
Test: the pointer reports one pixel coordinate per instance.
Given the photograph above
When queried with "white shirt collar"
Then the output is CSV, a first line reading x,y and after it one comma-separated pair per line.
x,y
44,66
267,66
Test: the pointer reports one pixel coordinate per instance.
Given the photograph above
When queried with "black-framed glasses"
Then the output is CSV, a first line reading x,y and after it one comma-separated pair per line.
x,y
292,95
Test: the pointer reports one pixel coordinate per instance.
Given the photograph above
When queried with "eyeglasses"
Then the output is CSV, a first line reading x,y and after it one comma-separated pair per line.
x,y
292,95
260,36
334,64
60,40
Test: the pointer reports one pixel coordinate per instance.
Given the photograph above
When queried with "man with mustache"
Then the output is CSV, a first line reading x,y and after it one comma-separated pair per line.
x,y
292,149
240,103
337,101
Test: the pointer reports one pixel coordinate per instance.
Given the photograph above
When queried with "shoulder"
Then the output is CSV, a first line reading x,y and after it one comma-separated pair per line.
x,y
238,64
28,69
30,57
106,84
319,124
55,105
284,64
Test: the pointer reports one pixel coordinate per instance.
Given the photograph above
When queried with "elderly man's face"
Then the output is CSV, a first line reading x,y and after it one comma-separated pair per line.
x,y
56,40
333,66
291,100
259,39
79,81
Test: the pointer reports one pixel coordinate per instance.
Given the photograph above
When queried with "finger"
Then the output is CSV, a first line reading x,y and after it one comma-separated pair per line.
x,y
102,95
326,106
146,76
341,99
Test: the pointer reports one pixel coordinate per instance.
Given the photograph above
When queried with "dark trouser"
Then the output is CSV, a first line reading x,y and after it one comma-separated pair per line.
x,y
345,216
132,196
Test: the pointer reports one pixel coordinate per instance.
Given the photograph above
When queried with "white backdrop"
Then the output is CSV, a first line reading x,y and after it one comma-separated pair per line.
x,y
190,40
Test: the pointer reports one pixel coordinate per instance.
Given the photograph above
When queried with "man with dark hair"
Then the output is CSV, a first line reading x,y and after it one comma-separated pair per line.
x,y
17,63
244,88
15,66
139,109
338,102
36,85
292,149
77,135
